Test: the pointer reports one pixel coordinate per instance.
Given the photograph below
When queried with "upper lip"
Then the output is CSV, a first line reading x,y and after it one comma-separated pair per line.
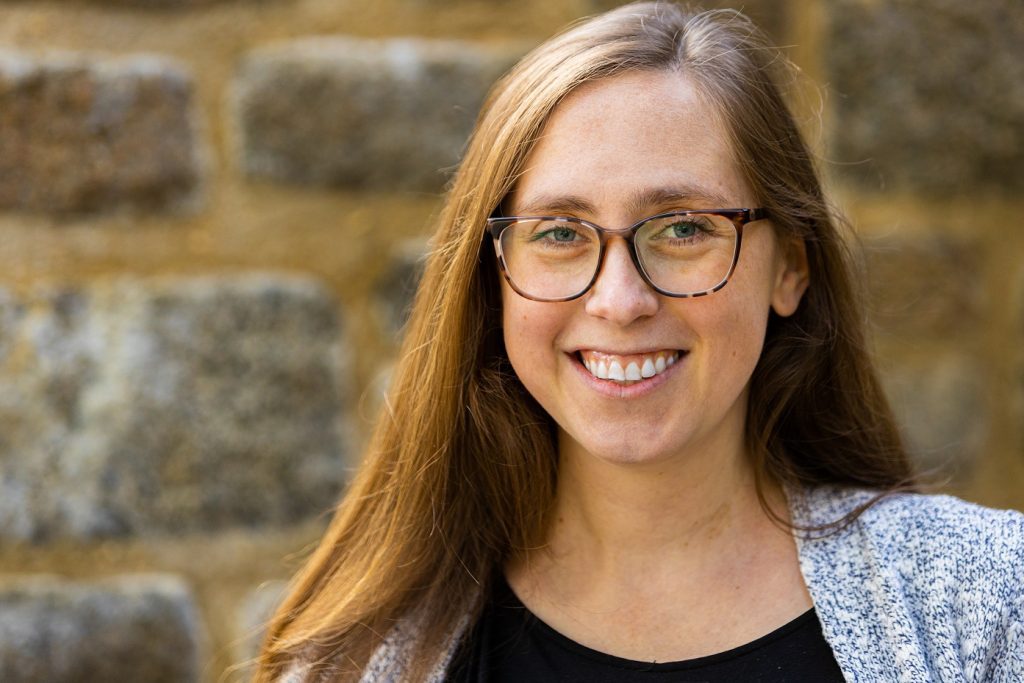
x,y
626,352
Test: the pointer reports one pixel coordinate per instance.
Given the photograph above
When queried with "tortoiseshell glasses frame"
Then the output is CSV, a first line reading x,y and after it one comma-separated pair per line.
x,y
735,219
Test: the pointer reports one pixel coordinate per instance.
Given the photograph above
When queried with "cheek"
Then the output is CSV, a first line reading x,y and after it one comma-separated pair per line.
x,y
530,329
747,299
747,326
732,325
734,330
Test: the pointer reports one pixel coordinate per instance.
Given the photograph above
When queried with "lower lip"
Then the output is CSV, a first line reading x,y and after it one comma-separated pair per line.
x,y
634,390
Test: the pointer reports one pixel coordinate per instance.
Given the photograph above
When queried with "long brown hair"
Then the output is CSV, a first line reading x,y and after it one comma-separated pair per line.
x,y
461,468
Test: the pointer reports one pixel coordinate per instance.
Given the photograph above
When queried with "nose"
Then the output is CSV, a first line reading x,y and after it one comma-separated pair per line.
x,y
620,295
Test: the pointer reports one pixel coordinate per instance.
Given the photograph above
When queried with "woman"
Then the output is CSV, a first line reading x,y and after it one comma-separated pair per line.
x,y
656,441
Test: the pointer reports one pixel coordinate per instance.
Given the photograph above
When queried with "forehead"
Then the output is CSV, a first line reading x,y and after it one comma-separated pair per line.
x,y
614,142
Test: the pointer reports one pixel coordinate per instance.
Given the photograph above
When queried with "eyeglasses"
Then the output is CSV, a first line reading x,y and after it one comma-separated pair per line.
x,y
679,254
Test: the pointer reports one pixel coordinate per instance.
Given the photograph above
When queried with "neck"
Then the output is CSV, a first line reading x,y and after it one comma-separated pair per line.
x,y
686,514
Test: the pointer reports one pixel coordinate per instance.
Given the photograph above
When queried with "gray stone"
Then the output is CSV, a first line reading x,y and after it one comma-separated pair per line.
x,y
376,393
941,406
131,628
928,96
11,313
253,617
82,134
381,114
396,288
171,406
925,286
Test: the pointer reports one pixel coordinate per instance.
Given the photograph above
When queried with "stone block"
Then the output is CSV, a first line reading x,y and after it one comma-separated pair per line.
x,y
928,96
941,404
373,399
396,288
925,287
129,628
348,112
86,134
11,313
170,406
253,617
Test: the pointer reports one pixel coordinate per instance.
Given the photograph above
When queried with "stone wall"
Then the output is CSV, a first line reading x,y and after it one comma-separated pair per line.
x,y
210,211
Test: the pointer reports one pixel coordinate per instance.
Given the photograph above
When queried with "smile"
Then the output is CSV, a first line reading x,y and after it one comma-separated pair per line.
x,y
627,369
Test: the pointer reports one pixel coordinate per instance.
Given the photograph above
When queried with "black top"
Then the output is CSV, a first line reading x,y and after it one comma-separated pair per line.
x,y
510,645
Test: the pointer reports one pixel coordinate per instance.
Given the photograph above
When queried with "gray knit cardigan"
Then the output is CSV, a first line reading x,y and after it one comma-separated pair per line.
x,y
918,589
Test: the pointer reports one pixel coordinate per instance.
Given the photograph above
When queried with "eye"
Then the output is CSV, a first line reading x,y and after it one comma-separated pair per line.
x,y
684,228
559,233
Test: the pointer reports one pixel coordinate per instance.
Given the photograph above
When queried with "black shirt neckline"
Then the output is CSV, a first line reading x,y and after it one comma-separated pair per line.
x,y
507,598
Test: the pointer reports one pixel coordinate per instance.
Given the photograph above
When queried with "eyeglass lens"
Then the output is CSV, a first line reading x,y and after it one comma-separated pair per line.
x,y
679,254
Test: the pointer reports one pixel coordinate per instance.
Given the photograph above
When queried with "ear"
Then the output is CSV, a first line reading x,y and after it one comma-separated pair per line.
x,y
792,277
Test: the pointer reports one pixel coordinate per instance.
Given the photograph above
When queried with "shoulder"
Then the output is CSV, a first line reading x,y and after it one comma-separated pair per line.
x,y
939,578
909,525
390,662
941,535
944,522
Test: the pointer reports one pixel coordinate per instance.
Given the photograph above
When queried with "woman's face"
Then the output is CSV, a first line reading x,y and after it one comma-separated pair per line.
x,y
614,152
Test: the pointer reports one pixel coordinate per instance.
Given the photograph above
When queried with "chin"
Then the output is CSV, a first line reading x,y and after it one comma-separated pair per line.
x,y
631,459
625,451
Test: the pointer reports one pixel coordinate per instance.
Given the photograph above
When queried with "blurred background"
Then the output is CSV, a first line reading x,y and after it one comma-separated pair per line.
x,y
212,214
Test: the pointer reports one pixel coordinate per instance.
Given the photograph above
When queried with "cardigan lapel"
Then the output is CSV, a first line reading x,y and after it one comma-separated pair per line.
x,y
856,591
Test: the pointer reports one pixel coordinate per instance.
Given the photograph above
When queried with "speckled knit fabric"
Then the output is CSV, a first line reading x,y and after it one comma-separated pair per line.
x,y
919,589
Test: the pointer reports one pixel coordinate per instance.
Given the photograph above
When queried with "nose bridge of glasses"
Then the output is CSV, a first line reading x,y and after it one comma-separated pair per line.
x,y
624,237
620,291
626,233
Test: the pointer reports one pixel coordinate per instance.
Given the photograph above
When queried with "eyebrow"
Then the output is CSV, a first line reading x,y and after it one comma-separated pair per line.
x,y
681,196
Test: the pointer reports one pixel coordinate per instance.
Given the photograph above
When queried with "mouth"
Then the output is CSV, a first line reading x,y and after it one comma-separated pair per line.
x,y
627,369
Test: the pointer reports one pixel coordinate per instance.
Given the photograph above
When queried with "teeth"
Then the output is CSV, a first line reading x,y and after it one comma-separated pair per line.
x,y
633,372
637,369
615,371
